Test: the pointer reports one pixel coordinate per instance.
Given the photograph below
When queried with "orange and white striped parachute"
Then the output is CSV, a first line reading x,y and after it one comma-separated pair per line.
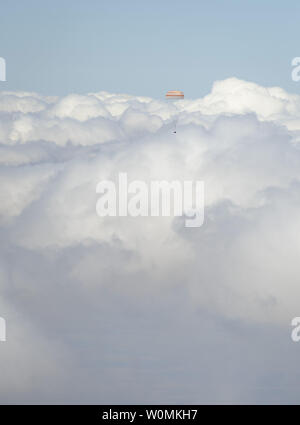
x,y
171,96
174,95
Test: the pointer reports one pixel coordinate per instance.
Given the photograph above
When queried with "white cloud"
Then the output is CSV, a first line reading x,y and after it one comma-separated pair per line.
x,y
94,288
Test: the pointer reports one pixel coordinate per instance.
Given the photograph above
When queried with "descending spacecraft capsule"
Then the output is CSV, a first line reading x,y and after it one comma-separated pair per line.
x,y
171,96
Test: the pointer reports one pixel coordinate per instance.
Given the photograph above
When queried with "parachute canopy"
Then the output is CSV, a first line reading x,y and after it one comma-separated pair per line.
x,y
174,95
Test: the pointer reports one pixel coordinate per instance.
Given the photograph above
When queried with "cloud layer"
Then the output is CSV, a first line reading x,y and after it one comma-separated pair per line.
x,y
124,310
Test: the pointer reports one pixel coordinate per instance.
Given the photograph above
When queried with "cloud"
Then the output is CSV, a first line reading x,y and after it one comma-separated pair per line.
x,y
122,309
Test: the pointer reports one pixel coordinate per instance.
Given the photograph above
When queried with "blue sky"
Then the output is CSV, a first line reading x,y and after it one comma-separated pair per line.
x,y
145,48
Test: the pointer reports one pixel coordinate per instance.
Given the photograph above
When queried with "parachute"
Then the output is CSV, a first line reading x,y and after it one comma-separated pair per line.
x,y
172,96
